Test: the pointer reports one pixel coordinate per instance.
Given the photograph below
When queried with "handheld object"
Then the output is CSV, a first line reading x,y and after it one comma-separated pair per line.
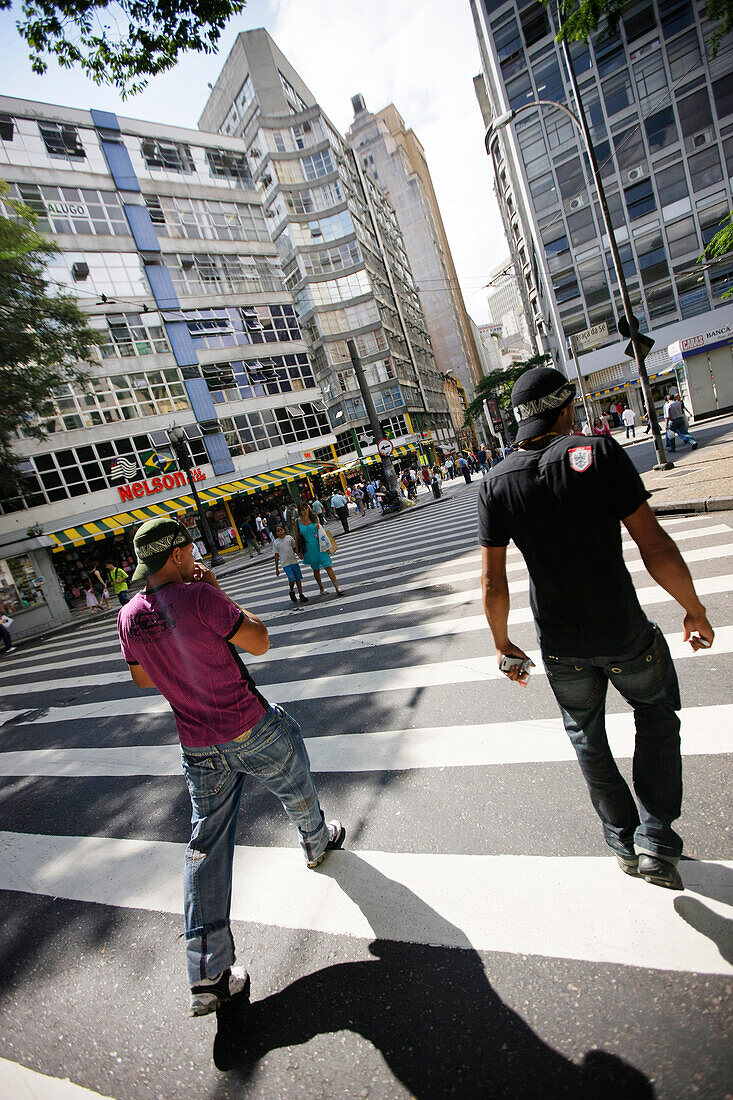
x,y
507,662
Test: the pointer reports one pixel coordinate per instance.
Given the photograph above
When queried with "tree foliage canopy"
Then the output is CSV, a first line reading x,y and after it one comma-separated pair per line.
x,y
497,385
581,18
121,43
45,339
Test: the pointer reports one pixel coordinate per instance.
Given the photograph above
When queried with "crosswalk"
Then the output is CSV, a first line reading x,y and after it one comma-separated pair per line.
x,y
459,790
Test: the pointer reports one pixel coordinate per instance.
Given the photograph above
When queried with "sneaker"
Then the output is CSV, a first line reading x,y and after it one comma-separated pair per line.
x,y
336,837
211,993
292,597
11,649
660,872
693,446
304,599
628,864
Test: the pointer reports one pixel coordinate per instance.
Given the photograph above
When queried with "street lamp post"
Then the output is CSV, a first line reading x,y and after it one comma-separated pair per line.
x,y
387,465
179,442
581,122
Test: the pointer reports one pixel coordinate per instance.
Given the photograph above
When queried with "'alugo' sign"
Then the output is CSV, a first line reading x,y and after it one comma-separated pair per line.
x,y
154,485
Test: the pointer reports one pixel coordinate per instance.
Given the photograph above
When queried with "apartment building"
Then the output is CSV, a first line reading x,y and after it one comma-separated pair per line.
x,y
340,245
164,242
661,117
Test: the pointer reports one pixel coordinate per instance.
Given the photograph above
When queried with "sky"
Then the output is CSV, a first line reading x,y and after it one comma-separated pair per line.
x,y
392,51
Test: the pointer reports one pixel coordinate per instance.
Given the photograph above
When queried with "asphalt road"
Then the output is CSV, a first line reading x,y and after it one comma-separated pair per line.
x,y
641,448
475,938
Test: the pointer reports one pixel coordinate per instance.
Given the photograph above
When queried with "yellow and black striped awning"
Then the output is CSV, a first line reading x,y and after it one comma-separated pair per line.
x,y
96,530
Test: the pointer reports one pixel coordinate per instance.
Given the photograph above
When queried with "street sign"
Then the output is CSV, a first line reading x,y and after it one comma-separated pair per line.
x,y
385,447
591,337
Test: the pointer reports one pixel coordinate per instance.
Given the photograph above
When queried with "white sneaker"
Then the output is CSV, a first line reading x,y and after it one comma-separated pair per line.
x,y
12,649
211,993
336,837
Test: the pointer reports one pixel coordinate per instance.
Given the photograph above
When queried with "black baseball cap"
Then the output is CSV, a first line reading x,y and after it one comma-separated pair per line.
x,y
154,542
538,397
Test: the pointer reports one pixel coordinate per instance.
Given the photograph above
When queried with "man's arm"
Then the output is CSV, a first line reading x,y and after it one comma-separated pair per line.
x,y
495,592
665,564
252,633
140,676
277,564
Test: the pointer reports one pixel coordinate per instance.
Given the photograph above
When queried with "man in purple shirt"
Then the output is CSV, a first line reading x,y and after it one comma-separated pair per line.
x,y
181,636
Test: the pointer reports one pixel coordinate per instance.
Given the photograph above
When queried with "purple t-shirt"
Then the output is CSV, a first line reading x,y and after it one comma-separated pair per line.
x,y
180,634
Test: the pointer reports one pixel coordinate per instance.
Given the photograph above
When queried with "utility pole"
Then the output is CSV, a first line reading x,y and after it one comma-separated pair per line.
x,y
663,462
179,442
581,384
389,470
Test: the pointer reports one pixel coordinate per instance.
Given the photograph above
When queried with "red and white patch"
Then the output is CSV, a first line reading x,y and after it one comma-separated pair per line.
x,y
580,458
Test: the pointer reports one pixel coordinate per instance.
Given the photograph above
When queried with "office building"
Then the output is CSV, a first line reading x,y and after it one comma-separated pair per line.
x,y
661,117
341,248
394,158
164,242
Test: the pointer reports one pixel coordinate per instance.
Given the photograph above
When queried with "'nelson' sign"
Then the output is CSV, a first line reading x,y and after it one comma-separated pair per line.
x,y
150,486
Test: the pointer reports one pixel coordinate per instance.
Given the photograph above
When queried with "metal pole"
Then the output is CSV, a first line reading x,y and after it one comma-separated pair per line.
x,y
389,470
581,384
184,460
662,461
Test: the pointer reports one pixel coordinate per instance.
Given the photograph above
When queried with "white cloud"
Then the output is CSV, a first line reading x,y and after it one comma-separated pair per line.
x,y
421,57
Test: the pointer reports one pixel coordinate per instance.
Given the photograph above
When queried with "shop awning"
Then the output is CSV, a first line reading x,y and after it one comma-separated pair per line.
x,y
99,529
625,385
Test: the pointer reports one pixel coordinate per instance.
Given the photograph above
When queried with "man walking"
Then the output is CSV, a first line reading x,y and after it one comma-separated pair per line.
x,y
248,538
341,508
674,412
179,635
562,501
464,468
117,579
628,417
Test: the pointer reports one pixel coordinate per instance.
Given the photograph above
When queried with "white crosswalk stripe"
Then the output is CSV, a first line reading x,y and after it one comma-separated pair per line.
x,y
410,625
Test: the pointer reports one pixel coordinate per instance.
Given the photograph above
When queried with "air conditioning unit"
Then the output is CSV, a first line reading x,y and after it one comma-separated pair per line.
x,y
577,202
705,137
635,174
255,153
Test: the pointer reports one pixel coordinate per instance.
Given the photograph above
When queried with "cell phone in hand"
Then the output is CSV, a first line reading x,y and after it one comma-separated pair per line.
x,y
508,662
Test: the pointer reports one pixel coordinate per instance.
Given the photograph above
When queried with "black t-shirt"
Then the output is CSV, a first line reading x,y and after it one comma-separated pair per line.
x,y
562,505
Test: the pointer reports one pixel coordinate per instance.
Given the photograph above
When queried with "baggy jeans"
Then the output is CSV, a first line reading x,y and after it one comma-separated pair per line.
x,y
677,427
647,680
273,752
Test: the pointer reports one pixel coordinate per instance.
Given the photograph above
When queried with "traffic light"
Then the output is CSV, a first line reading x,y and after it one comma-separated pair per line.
x,y
644,342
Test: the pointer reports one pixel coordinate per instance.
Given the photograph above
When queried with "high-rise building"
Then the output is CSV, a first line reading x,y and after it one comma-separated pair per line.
x,y
393,156
164,242
340,245
661,116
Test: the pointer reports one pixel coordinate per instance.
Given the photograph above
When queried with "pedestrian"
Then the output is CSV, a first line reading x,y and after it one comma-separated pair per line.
x,y
562,502
179,636
91,597
286,555
340,507
425,472
6,622
483,460
309,548
262,532
619,413
103,589
674,412
599,428
248,538
372,494
628,416
118,582
317,510
449,467
463,466
357,496
274,519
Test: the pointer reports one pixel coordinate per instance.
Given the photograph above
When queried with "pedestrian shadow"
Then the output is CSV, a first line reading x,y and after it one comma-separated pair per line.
x,y
427,1007
709,880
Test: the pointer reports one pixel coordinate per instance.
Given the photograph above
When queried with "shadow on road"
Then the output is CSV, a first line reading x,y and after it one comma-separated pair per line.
x,y
429,1010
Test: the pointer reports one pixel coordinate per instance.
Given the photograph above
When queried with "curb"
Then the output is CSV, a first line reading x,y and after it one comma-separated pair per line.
x,y
712,504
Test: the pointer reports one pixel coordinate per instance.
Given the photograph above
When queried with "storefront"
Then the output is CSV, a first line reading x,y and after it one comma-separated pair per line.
x,y
30,593
604,402
705,366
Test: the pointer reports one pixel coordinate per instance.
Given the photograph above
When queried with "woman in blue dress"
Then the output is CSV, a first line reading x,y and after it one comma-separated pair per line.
x,y
307,543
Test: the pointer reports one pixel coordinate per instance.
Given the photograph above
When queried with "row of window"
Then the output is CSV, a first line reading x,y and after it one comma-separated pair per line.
x,y
333,291
206,219
73,209
239,381
392,427
202,273
315,198
331,259
260,431
230,327
305,168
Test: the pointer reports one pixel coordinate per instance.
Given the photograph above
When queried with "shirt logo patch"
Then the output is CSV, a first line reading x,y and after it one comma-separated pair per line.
x,y
580,458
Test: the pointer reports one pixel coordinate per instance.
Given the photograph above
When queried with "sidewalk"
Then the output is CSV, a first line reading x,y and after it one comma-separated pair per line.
x,y
702,480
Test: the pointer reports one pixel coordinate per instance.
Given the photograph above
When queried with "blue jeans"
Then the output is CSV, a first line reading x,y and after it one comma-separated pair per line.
x,y
647,680
677,427
274,753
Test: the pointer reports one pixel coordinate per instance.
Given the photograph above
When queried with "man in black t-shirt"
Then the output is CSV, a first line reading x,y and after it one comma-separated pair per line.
x,y
562,500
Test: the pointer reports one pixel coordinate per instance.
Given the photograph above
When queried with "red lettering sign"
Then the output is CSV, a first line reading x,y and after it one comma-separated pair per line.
x,y
159,484
138,489
168,481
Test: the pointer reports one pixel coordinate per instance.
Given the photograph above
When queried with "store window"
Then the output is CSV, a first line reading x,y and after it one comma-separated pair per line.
x,y
20,586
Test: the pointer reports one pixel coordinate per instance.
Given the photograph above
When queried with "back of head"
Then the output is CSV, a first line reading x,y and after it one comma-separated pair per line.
x,y
538,397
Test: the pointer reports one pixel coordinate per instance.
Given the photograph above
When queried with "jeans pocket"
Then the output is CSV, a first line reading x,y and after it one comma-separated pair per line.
x,y
270,750
204,775
648,677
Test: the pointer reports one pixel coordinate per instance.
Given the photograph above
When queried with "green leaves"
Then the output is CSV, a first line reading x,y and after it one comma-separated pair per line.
x,y
582,18
498,385
45,340
124,44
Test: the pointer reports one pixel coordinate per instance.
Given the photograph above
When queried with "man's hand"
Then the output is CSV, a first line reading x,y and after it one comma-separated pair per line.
x,y
698,631
508,649
202,573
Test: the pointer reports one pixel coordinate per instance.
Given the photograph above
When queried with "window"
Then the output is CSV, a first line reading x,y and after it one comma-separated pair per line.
x,y
535,24
618,93
171,156
660,301
640,199
651,78
543,191
672,184
610,54
230,166
638,19
661,130
652,258
130,334
593,280
682,238
692,293
705,168
7,128
62,140
548,80
570,178
229,125
319,164
711,219
560,131
630,151
532,144
519,90
206,219
675,15
507,40
206,274
73,209
695,114
331,259
245,96
728,154
582,227
566,286
684,55
291,95
723,96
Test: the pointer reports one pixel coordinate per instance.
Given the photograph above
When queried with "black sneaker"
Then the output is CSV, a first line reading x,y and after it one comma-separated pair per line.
x,y
211,993
292,597
660,872
628,864
336,837
304,599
